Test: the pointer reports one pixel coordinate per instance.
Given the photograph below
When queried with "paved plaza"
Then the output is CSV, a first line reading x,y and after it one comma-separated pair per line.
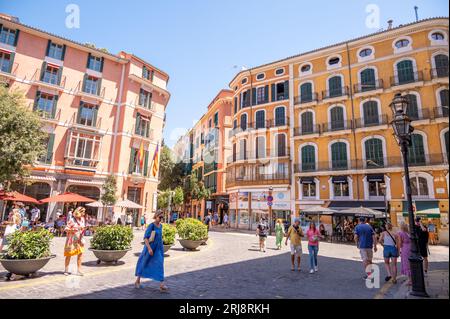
x,y
229,266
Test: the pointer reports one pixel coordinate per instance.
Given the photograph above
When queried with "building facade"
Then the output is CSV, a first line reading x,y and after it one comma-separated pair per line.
x,y
104,114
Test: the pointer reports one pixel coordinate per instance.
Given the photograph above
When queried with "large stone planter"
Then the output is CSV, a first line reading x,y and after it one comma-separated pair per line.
x,y
190,244
167,247
24,267
204,241
109,255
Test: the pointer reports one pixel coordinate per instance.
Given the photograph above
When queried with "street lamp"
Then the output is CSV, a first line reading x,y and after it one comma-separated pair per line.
x,y
270,210
403,129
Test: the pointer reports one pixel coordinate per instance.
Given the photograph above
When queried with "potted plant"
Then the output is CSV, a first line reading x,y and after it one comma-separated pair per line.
x,y
192,233
111,243
28,251
168,236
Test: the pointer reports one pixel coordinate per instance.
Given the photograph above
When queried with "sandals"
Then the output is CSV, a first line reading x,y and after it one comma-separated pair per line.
x,y
163,288
137,285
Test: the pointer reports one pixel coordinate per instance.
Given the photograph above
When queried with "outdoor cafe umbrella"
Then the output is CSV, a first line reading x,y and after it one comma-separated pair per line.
x,y
67,198
319,210
363,211
17,197
126,203
97,204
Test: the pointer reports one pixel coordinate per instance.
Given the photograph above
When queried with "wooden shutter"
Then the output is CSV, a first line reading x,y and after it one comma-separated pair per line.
x,y
55,103
63,52
16,39
102,63
36,100
79,112
145,163
44,67
99,86
60,70
138,122
235,104
48,47
94,115
273,92
83,88
88,60
51,141
132,161
286,89
266,94
253,96
11,61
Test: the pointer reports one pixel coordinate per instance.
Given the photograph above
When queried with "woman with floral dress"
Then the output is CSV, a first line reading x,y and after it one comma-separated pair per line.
x,y
75,242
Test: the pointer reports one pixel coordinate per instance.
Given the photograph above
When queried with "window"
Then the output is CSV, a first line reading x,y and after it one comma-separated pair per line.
x,y
412,110
374,153
243,122
91,85
340,186
370,111
365,53
280,116
234,152
244,81
95,63
235,124
416,152
84,149
308,158
147,73
443,96
260,147
306,94
235,104
87,114
209,123
8,36
405,72
5,62
437,36
339,155
441,64
403,43
55,51
47,158
280,91
138,162
334,61
260,76
142,125
50,74
260,119
279,71
216,119
307,122
245,98
335,86
376,188
243,149
305,68
145,99
337,118
368,81
308,188
419,186
262,95
46,104
281,144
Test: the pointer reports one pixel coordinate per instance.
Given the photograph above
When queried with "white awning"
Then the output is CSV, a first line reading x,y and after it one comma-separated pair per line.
x,y
42,178
84,182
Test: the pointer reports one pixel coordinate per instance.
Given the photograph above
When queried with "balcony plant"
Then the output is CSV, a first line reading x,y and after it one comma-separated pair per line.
x,y
192,233
111,243
168,236
27,252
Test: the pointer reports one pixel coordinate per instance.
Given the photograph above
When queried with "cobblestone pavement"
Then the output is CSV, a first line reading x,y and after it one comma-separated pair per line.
x,y
229,266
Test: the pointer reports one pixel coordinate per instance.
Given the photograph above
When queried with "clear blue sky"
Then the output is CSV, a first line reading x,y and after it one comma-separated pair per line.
x,y
197,42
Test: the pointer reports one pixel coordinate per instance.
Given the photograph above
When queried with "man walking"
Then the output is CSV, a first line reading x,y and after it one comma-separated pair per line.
x,y
35,215
262,231
423,236
365,239
295,234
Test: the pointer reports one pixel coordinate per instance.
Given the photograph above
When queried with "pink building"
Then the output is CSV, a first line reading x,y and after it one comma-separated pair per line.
x,y
104,114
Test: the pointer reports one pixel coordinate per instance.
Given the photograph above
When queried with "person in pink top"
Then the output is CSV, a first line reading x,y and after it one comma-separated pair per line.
x,y
313,236
405,250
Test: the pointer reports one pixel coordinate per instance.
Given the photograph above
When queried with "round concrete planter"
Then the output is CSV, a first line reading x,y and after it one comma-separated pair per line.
x,y
109,255
167,247
24,267
190,244
204,241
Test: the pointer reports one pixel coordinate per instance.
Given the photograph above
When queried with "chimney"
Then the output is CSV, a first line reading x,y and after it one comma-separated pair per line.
x,y
390,22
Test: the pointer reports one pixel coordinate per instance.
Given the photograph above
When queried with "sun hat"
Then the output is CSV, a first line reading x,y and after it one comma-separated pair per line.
x,y
79,212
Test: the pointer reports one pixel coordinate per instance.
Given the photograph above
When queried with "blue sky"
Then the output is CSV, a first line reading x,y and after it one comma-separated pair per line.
x,y
198,42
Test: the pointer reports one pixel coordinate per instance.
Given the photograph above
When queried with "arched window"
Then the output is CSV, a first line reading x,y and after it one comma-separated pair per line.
x,y
335,86
374,153
308,158
405,72
402,43
243,149
339,155
443,97
337,118
367,80
280,116
413,108
280,142
260,147
260,119
306,93
416,152
441,65
370,111
419,186
437,36
307,122
243,121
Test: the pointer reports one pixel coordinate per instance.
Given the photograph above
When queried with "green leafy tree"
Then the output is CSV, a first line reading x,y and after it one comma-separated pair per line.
x,y
178,197
163,200
109,197
166,166
22,140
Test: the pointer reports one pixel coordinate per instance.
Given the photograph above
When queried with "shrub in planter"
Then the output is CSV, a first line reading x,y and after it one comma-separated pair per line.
x,y
29,245
191,229
168,234
114,237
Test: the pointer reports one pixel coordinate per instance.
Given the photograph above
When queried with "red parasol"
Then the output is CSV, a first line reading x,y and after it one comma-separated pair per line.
x,y
17,197
67,198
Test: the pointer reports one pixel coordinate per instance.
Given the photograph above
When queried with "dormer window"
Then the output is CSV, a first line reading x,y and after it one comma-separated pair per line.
x,y
279,71
244,81
260,76
437,36
334,61
403,43
365,53
305,68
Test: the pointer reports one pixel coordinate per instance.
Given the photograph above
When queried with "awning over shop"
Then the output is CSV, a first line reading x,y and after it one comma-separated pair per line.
x,y
345,204
307,180
339,179
375,178
426,208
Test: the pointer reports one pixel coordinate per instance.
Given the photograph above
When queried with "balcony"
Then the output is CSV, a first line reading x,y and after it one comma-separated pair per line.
x,y
337,94
406,80
257,179
84,123
423,114
363,89
307,130
91,91
263,155
268,124
142,133
336,126
49,80
46,159
308,99
441,112
439,75
371,121
6,75
81,163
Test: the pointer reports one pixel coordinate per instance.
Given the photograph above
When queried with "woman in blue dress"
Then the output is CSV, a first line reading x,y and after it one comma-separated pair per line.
x,y
151,261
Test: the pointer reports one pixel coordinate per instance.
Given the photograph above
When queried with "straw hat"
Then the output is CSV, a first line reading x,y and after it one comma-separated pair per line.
x,y
79,212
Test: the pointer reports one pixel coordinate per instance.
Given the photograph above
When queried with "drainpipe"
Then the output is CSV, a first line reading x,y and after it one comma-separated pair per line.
x,y
355,154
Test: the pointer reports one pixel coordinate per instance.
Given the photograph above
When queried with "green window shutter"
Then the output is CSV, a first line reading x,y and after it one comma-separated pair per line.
x,y
88,61
286,89
11,61
138,120
145,163
235,104
132,161
101,65
273,92
413,109
266,94
48,47
94,115
36,100
152,75
63,52
83,87
60,70
80,108
51,141
144,71
55,103
253,96
306,92
44,67
99,86
16,39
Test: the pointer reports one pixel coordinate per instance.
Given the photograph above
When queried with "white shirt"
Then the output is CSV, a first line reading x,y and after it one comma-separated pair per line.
x,y
35,213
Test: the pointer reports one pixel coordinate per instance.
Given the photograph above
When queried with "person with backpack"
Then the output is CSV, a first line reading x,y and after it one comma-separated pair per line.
x,y
390,242
262,230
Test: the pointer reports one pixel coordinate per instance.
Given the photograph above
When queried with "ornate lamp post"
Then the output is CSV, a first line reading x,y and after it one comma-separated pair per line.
x,y
403,129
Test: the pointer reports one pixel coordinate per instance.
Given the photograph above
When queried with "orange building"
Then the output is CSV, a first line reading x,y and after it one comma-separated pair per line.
x,y
104,114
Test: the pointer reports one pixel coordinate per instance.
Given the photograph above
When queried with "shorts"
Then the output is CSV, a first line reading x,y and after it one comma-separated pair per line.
x,y
366,254
262,238
390,252
296,250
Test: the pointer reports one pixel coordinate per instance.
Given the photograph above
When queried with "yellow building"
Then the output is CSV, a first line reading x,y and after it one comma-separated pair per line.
x,y
339,149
